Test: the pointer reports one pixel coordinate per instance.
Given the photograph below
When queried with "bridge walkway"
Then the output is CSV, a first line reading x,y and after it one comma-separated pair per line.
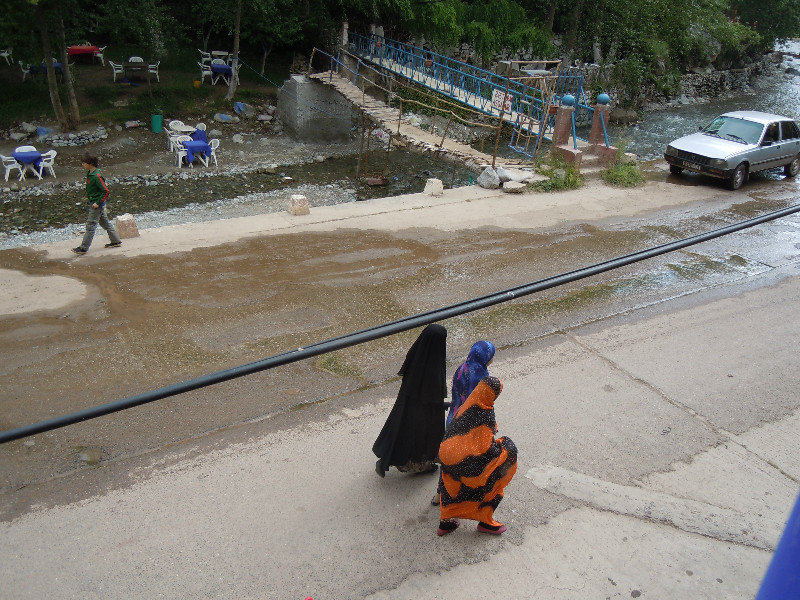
x,y
389,118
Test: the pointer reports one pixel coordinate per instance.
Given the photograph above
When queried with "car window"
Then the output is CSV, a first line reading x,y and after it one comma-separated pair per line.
x,y
789,130
732,128
773,133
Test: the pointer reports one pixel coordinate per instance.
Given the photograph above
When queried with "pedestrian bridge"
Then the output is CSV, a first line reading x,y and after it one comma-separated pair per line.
x,y
525,98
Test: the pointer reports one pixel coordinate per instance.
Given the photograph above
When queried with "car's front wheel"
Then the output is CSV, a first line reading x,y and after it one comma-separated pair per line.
x,y
793,168
675,169
738,177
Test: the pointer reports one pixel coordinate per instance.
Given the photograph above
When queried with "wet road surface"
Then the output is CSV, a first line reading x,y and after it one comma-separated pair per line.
x,y
154,320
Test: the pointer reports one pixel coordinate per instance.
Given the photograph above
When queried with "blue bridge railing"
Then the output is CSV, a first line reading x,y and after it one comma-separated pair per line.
x,y
477,87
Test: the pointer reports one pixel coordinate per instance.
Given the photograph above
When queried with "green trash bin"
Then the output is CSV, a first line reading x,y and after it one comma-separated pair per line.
x,y
155,123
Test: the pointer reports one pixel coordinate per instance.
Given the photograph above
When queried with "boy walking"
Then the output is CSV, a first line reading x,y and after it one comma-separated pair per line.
x,y
96,195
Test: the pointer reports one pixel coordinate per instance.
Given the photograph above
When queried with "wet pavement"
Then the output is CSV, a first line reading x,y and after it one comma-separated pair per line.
x,y
152,320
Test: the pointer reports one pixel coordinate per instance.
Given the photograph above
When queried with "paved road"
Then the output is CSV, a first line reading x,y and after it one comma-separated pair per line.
x,y
657,459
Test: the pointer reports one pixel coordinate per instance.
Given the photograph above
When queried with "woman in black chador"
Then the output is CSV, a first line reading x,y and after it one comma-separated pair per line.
x,y
411,436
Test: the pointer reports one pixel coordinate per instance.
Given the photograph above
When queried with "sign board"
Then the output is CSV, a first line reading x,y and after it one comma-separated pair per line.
x,y
498,102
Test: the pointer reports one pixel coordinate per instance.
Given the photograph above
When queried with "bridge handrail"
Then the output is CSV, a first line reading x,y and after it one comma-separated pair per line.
x,y
474,81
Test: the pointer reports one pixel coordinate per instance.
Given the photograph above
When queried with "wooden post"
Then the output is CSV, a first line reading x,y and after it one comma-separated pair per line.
x,y
445,130
386,160
366,152
361,149
400,116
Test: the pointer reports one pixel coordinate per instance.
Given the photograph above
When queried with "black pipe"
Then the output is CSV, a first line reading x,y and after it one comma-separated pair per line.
x,y
378,331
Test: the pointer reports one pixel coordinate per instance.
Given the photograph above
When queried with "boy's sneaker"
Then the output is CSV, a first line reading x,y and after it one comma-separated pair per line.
x,y
113,244
79,250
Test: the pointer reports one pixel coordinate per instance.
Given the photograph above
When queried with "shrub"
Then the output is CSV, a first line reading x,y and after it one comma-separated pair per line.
x,y
561,176
624,175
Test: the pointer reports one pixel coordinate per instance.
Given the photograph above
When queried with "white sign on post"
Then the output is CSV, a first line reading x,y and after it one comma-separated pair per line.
x,y
500,100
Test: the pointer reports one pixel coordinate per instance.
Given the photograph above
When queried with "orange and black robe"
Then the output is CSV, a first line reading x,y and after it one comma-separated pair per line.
x,y
476,467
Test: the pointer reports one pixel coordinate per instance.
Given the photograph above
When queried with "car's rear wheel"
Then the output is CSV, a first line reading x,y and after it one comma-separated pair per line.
x,y
675,169
793,168
738,178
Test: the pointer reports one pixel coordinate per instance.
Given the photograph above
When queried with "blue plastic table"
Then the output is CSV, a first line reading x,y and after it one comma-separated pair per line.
x,y
196,147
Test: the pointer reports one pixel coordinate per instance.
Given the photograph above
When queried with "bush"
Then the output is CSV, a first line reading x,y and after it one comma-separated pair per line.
x,y
562,176
624,175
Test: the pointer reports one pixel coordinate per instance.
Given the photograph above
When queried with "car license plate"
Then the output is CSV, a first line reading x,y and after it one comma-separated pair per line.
x,y
690,165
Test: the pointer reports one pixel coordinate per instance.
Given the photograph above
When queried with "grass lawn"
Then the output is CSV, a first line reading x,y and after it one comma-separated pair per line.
x,y
175,95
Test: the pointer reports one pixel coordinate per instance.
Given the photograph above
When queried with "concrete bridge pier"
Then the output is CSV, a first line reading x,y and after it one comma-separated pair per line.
x,y
310,110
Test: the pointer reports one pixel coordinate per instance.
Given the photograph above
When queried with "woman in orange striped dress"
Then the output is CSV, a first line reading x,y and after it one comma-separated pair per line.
x,y
476,466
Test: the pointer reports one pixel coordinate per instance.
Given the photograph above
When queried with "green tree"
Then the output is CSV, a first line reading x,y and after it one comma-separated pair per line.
x,y
773,20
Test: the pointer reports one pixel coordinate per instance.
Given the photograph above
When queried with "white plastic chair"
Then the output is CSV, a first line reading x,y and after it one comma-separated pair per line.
x,y
25,149
200,126
174,143
10,163
116,69
205,57
136,59
48,160
180,151
153,69
215,77
214,145
174,123
26,70
205,71
7,55
99,54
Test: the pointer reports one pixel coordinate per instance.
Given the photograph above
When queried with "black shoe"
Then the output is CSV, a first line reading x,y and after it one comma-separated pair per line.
x,y
113,244
79,250
379,469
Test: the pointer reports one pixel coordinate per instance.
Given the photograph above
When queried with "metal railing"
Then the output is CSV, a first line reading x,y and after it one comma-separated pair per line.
x,y
473,85
379,331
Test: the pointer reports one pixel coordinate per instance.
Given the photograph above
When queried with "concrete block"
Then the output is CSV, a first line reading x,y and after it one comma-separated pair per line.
x,y
126,226
514,187
434,187
298,205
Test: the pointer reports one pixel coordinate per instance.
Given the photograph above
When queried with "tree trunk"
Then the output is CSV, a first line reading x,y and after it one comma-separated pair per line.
x,y
206,37
572,34
51,72
551,16
74,112
235,61
267,51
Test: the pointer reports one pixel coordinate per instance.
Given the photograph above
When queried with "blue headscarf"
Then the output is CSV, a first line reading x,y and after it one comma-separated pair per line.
x,y
469,374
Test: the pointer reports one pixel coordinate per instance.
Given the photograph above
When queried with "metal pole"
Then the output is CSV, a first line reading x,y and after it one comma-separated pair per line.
x,y
378,331
500,124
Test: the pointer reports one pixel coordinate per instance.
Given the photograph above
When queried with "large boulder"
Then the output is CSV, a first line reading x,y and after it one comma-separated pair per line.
x,y
513,175
489,179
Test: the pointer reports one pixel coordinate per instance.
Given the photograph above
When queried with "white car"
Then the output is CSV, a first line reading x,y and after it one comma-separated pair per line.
x,y
736,144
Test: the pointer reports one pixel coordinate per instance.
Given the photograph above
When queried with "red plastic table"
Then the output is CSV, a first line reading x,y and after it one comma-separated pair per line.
x,y
76,50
